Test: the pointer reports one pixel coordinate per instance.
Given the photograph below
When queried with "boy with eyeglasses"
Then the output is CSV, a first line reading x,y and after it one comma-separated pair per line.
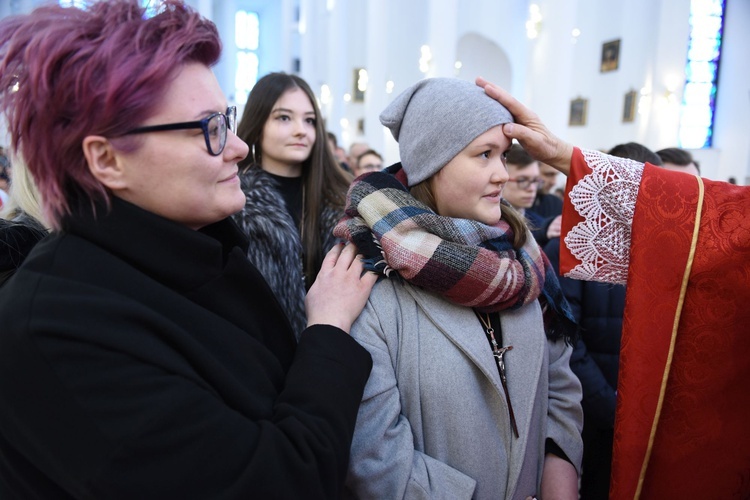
x,y
521,192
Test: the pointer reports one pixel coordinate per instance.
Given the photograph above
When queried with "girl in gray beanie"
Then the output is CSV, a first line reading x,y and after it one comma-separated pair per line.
x,y
471,394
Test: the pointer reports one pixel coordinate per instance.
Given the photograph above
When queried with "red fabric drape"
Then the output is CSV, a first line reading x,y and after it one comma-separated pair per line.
x,y
701,447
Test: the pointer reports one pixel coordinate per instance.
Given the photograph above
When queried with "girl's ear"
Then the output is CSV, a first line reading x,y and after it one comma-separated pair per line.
x,y
103,162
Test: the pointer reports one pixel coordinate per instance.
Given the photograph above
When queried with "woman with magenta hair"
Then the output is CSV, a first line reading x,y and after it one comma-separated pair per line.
x,y
141,354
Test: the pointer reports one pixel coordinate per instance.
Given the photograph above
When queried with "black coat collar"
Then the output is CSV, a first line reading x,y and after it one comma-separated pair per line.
x,y
172,253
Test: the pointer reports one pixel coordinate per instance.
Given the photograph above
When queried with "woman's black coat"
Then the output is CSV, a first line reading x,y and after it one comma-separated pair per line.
x,y
141,359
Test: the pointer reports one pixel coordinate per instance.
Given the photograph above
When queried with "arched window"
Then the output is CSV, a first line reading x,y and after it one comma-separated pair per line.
x,y
247,34
704,53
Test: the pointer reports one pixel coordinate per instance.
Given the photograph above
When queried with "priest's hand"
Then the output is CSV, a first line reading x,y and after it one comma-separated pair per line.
x,y
529,130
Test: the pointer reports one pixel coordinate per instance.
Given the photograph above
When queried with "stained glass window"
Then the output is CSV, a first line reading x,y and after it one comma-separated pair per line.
x,y
701,73
246,37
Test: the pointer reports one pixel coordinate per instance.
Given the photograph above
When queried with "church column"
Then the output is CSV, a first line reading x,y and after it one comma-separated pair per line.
x,y
225,70
376,98
442,37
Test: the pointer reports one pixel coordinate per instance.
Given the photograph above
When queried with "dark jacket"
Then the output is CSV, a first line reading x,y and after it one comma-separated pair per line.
x,y
141,359
17,238
538,226
545,209
547,205
275,246
598,308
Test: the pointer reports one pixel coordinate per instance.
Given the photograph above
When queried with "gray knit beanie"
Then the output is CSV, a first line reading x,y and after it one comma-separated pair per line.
x,y
436,119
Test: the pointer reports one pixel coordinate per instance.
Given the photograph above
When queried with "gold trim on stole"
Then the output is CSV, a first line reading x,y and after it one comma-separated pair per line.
x,y
675,324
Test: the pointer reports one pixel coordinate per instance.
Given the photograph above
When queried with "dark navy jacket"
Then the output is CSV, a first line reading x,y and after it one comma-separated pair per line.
x,y
598,308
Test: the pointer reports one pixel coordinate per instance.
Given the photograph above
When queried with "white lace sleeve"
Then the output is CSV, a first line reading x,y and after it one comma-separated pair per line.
x,y
605,198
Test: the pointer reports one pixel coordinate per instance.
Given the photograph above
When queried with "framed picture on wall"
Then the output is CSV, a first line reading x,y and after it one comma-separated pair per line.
x,y
358,92
610,56
578,109
628,109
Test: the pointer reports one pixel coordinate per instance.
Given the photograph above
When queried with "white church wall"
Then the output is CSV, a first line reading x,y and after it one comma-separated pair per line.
x,y
732,123
385,36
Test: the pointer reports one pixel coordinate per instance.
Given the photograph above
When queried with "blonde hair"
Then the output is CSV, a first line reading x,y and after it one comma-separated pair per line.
x,y
24,195
424,193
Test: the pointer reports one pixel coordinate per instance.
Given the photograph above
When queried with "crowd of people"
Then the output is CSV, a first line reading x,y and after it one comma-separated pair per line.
x,y
200,305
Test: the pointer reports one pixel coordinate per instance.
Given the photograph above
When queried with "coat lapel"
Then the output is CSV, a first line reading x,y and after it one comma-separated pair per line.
x,y
524,330
461,326
524,365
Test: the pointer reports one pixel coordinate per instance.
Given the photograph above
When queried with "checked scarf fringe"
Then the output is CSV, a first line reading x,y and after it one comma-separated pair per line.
x,y
467,262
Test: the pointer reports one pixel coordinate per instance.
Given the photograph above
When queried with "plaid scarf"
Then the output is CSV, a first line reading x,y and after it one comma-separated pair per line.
x,y
465,261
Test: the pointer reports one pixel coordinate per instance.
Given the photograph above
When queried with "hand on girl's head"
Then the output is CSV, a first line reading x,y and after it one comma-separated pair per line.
x,y
529,130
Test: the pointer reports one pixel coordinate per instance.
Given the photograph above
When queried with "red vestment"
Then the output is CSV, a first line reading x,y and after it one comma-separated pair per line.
x,y
682,427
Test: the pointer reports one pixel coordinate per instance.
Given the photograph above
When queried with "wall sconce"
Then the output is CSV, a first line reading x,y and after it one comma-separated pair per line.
x,y
325,94
362,80
645,101
345,134
389,86
671,85
359,85
425,59
534,23
670,97
457,67
574,35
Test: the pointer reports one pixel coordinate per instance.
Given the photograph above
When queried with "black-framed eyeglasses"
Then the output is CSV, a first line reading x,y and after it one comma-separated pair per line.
x,y
214,129
526,182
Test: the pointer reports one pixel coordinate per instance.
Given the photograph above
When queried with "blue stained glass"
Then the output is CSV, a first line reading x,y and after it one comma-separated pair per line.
x,y
706,49
701,72
708,8
699,116
697,91
695,138
707,27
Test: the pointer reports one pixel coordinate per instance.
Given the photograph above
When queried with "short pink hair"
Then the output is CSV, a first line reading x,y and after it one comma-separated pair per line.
x,y
67,73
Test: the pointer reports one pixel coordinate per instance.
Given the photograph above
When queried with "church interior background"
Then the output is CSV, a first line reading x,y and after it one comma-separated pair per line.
x,y
663,73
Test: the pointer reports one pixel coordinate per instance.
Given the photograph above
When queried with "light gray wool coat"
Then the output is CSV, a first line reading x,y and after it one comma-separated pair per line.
x,y
275,244
433,423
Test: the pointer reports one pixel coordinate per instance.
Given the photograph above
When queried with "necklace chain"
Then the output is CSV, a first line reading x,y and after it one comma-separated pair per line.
x,y
485,322
491,334
499,354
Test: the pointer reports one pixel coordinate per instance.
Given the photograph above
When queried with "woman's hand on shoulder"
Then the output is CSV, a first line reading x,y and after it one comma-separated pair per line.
x,y
341,289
